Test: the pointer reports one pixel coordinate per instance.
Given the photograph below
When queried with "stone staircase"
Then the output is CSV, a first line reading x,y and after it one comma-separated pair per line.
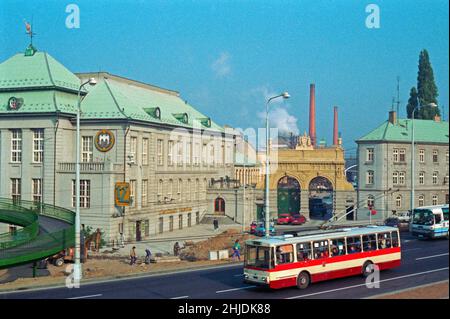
x,y
223,220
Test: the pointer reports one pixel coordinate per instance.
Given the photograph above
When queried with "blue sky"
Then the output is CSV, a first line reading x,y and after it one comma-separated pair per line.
x,y
225,57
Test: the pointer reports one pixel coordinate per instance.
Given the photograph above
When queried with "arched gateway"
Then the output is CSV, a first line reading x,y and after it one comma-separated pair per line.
x,y
288,195
320,198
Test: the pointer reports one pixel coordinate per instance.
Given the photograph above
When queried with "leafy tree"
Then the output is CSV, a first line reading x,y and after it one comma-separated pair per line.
x,y
412,103
426,87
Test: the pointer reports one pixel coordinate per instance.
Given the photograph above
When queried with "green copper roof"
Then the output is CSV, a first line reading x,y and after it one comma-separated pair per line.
x,y
428,131
111,99
40,70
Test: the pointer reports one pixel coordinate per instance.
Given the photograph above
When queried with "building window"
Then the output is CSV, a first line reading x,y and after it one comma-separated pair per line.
x,y
171,223
159,151
197,189
16,146
204,154
197,218
180,153
395,178
188,190
435,178
86,151
170,190
446,179
222,153
196,154
435,156
422,178
421,200
16,189
38,146
146,226
369,178
85,193
188,153
370,201
219,205
211,154
422,156
205,185
398,201
37,190
133,148
170,153
160,190
179,187
402,153
161,225
401,178
189,221
446,156
180,221
369,155
145,151
144,192
229,155
132,193
395,154
434,200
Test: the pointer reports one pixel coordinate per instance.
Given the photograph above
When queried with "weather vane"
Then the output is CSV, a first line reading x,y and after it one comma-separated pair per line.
x,y
29,31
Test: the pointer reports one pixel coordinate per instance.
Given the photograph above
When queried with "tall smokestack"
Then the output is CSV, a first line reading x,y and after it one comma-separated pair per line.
x,y
335,127
312,113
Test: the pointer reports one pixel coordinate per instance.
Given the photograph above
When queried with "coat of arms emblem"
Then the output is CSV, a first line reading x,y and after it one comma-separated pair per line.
x,y
104,140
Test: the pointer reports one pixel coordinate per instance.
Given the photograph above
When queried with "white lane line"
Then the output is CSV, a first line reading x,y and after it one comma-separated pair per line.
x,y
427,257
181,297
234,289
404,250
360,285
90,296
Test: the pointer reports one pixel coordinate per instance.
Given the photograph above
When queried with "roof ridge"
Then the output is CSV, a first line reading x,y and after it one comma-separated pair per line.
x,y
114,99
48,68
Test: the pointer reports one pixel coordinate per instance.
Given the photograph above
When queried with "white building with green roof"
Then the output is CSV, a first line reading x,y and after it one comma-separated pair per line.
x,y
384,166
130,132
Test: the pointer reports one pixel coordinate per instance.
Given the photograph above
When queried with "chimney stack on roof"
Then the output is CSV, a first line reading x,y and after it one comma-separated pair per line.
x,y
393,117
312,114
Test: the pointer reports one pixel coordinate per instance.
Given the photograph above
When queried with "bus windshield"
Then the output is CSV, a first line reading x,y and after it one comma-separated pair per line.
x,y
423,217
258,256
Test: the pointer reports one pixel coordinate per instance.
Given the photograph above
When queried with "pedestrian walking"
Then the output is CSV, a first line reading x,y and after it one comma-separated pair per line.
x,y
176,249
133,257
215,224
148,255
236,250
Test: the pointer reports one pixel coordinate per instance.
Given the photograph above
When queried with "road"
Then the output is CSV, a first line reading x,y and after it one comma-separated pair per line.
x,y
423,262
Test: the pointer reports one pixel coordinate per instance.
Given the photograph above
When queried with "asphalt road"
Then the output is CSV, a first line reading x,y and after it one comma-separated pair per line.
x,y
423,262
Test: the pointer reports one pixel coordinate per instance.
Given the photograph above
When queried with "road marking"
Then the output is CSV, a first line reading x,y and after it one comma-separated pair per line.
x,y
360,285
446,254
410,249
90,296
181,297
234,289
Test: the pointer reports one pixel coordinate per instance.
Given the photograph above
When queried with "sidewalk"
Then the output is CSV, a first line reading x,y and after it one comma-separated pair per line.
x,y
163,243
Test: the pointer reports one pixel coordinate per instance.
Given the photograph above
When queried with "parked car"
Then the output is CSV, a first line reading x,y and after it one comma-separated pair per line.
x,y
253,227
284,219
298,219
261,230
404,216
396,222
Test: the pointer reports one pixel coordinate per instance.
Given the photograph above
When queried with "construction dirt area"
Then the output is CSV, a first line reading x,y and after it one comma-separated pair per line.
x,y
192,256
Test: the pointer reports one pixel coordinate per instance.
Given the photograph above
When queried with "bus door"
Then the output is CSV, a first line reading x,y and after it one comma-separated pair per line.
x,y
321,251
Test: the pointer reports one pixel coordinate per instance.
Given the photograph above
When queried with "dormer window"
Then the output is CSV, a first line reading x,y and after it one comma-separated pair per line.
x,y
154,112
182,117
206,122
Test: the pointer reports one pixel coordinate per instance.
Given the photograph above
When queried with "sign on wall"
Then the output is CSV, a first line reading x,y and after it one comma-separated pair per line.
x,y
14,103
122,194
104,140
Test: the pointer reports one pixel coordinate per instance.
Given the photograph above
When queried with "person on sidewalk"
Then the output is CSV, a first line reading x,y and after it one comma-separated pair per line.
x,y
133,257
216,224
148,255
236,250
176,249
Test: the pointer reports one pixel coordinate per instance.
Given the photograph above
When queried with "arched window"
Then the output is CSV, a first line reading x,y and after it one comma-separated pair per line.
x,y
219,205
170,190
197,189
370,201
398,201
421,200
160,190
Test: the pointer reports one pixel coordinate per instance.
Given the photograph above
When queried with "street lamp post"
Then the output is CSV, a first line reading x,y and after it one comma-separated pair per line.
x,y
77,274
284,95
412,159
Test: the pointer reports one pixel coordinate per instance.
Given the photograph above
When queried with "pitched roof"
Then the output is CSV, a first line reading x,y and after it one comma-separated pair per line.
x,y
426,131
111,99
37,71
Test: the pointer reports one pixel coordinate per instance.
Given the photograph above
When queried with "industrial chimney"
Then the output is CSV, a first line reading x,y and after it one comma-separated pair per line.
x,y
335,127
312,114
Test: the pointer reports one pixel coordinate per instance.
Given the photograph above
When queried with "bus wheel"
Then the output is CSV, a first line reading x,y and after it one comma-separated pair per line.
x,y
303,280
367,269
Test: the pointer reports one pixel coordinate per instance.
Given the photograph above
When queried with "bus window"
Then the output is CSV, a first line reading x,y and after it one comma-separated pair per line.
x,y
395,241
258,256
337,247
369,242
321,249
423,217
437,219
304,252
445,213
384,240
285,254
353,245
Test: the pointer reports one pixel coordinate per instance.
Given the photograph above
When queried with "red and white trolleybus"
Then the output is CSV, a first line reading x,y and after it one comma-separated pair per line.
x,y
288,260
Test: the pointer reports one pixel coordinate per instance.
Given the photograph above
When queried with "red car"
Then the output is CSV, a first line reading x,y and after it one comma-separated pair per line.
x,y
284,219
253,226
298,220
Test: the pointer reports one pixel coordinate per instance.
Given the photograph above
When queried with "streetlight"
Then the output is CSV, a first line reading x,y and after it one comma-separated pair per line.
x,y
77,274
284,95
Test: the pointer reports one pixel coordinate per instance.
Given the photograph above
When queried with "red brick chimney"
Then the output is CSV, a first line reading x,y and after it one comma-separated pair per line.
x,y
335,127
312,114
